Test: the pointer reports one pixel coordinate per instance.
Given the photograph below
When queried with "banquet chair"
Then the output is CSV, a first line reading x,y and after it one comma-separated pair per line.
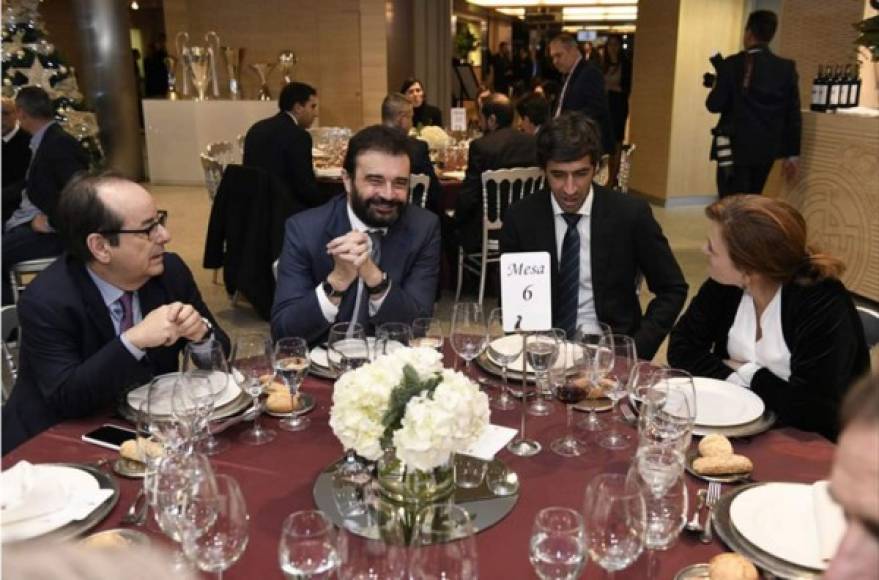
x,y
870,322
30,268
9,324
501,188
419,183
213,173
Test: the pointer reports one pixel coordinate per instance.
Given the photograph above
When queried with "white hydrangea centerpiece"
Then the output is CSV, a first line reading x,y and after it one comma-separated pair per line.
x,y
435,137
407,400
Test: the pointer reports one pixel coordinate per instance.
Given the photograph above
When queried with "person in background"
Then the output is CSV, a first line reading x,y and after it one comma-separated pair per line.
x,y
773,315
502,69
533,111
155,73
618,82
424,114
16,156
524,67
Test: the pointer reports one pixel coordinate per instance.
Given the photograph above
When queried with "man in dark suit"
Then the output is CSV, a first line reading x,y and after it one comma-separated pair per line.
x,y
600,242
533,111
501,147
367,256
583,88
111,313
30,232
16,157
757,96
281,145
397,112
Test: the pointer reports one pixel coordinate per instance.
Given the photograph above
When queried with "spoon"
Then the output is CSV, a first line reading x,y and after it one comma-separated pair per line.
x,y
693,525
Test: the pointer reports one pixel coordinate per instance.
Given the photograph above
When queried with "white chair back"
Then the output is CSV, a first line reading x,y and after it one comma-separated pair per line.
x,y
22,269
9,324
419,183
501,188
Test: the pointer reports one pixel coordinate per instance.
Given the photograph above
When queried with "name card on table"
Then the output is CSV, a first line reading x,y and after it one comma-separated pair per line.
x,y
459,119
526,293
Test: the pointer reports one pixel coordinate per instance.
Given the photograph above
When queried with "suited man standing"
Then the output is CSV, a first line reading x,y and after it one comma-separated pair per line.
x,y
367,256
281,145
600,242
16,156
30,232
583,89
757,96
397,112
111,313
501,147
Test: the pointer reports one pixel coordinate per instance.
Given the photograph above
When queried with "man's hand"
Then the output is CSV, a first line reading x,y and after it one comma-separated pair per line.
x,y
156,329
40,224
790,168
188,320
349,253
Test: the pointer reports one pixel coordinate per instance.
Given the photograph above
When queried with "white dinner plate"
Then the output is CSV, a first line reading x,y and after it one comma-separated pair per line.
x,y
512,344
72,483
319,353
779,519
163,406
723,404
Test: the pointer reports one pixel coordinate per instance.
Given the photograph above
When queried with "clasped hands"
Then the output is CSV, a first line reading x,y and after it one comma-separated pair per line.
x,y
165,325
351,259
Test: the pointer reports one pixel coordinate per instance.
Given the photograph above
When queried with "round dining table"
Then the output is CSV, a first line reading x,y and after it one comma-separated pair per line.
x,y
278,478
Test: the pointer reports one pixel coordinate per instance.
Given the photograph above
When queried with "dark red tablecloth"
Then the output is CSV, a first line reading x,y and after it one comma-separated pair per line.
x,y
277,479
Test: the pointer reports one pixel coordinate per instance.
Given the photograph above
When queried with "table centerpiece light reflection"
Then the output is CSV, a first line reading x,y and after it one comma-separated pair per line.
x,y
411,416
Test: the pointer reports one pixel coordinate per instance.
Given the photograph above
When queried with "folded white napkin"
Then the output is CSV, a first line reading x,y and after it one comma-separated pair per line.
x,y
26,495
82,506
493,439
829,520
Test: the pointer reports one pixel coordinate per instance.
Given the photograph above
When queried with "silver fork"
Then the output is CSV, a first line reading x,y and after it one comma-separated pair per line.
x,y
714,488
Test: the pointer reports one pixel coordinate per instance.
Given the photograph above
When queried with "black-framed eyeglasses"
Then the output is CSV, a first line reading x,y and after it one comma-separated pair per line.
x,y
161,220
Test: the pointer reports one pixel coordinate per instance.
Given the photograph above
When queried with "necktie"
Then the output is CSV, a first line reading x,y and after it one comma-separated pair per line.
x,y
569,276
361,311
127,311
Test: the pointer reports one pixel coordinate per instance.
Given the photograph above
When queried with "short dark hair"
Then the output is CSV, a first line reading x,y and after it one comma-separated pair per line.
x,y
393,104
81,212
408,83
375,138
569,137
535,107
35,102
567,39
762,24
294,93
499,106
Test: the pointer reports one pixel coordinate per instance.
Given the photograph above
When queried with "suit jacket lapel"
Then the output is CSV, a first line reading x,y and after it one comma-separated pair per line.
x,y
600,227
94,302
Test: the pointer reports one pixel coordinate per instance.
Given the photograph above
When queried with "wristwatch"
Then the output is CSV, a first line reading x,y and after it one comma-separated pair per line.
x,y
380,287
209,326
330,291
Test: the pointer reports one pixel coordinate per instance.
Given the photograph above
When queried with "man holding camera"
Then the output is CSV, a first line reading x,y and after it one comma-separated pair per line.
x,y
757,96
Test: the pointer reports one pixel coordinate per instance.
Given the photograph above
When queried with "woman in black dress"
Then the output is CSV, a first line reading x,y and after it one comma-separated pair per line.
x,y
425,114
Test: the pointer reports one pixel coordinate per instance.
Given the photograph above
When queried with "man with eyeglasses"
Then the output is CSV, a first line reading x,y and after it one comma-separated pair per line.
x,y
111,313
368,256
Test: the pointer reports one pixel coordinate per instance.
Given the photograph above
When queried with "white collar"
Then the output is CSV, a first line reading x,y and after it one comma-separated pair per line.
x,y
8,137
585,207
292,116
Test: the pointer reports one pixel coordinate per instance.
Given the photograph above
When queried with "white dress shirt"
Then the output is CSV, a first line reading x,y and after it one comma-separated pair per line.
x,y
769,352
585,299
558,109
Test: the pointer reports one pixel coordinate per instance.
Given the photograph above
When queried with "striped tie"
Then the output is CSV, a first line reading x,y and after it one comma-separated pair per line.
x,y
569,276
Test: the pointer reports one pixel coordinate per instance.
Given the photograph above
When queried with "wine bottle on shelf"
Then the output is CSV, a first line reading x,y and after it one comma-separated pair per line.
x,y
844,85
826,82
854,94
817,103
833,100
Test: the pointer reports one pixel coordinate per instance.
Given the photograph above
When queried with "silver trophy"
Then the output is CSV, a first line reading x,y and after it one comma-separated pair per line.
x,y
171,67
181,41
233,58
287,59
212,40
198,60
263,70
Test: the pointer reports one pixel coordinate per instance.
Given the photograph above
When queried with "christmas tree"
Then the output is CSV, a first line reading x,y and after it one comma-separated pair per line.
x,y
30,59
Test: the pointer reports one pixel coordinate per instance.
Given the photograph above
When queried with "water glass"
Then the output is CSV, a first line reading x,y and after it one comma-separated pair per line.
x,y
208,358
616,383
666,516
469,334
309,546
542,350
192,402
614,518
369,559
351,481
428,333
500,479
469,471
659,467
558,544
503,352
596,345
642,388
291,360
443,544
390,336
251,360
347,347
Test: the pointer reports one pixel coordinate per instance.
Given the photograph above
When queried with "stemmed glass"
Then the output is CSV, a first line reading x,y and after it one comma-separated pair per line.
x,y
390,336
541,351
215,524
670,417
557,544
291,361
598,356
569,391
614,519
642,388
369,559
427,332
347,347
666,515
504,352
659,466
192,401
208,359
309,546
469,335
252,361
351,490
616,386
444,546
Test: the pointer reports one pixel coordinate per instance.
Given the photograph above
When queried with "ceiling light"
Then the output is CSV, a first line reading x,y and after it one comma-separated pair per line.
x,y
134,5
536,3
517,12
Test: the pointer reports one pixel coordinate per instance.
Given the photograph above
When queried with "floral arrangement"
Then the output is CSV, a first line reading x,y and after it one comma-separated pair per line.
x,y
435,137
407,400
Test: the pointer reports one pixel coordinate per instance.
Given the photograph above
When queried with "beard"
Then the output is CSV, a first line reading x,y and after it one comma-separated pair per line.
x,y
365,209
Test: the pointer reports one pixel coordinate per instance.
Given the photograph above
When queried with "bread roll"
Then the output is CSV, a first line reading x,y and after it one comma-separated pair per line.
x,y
132,450
715,445
593,391
723,465
731,566
106,540
282,402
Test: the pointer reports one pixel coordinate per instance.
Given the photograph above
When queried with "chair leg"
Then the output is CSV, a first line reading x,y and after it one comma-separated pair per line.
x,y
483,268
460,272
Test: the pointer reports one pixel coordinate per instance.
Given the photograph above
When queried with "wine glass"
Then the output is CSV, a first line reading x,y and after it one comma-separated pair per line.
x,y
671,417
666,515
390,336
569,391
469,334
427,332
444,546
309,546
614,519
351,489
503,350
616,385
251,363
192,401
642,388
215,524
155,420
598,360
291,360
208,358
557,544
659,466
370,559
347,347
541,351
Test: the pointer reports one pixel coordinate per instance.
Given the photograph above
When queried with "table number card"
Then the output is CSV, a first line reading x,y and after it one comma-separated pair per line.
x,y
459,119
526,293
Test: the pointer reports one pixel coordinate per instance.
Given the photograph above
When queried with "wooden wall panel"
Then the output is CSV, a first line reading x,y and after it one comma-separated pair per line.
x,y
373,59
